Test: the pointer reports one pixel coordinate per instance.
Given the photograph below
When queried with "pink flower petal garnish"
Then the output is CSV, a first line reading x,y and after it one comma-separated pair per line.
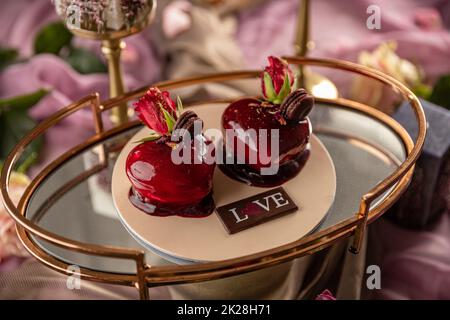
x,y
277,69
148,109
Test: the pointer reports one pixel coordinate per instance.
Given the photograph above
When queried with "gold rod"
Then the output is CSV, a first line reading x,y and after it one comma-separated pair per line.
x,y
302,36
112,49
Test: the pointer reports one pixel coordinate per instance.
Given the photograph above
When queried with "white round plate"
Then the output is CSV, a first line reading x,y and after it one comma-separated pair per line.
x,y
188,240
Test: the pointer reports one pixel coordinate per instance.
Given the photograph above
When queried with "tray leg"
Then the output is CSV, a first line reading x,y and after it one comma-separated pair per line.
x,y
361,227
141,283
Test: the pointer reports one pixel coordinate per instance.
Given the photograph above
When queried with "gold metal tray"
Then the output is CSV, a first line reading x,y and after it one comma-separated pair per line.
x,y
372,135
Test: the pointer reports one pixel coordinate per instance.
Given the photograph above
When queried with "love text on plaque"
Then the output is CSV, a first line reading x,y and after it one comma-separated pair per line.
x,y
257,209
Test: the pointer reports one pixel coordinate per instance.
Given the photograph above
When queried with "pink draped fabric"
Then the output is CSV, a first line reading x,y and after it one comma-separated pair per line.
x,y
416,264
338,29
21,19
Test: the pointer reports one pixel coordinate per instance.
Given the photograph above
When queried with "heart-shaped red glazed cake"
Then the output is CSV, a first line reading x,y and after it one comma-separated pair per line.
x,y
161,185
267,139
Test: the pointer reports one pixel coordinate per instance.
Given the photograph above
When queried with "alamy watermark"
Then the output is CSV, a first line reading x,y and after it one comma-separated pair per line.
x,y
373,21
241,147
73,281
373,281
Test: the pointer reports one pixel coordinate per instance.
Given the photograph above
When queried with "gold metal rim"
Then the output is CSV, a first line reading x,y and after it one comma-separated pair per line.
x,y
153,276
104,277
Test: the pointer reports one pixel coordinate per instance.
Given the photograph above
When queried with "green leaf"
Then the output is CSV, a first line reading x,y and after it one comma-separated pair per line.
x,y
285,90
52,38
152,136
7,56
85,62
170,120
152,132
14,125
22,102
441,92
149,138
268,87
180,108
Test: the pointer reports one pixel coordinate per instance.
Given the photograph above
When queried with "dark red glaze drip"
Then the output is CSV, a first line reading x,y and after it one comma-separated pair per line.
x,y
286,172
254,114
160,187
195,210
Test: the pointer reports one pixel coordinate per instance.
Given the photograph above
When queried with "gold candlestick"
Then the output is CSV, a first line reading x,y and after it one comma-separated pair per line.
x,y
315,83
302,36
112,49
110,33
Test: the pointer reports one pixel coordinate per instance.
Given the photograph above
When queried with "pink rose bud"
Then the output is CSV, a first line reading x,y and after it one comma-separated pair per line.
x,y
277,80
157,110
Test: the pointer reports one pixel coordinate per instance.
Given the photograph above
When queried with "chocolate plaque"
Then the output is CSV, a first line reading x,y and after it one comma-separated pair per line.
x,y
257,209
